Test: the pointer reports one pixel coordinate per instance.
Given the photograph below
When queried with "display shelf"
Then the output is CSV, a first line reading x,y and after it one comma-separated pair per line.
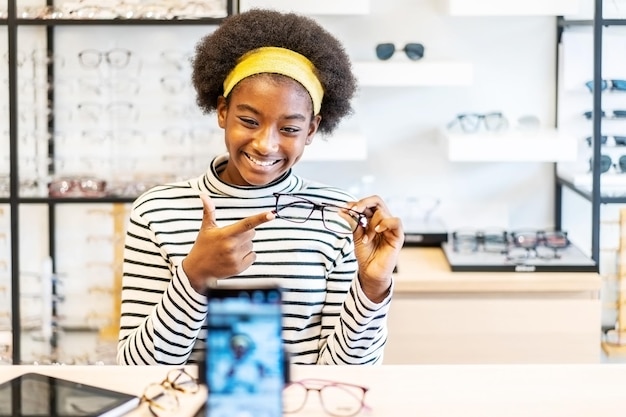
x,y
613,186
420,73
514,146
340,147
120,22
570,259
312,7
511,8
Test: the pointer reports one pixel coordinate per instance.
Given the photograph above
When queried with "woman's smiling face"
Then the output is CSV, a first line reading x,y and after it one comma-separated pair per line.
x,y
267,122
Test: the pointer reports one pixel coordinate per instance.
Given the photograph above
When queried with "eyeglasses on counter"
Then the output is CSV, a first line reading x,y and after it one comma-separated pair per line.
x,y
163,397
337,399
514,245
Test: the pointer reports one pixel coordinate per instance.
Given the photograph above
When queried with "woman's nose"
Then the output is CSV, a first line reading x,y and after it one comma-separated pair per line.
x,y
267,141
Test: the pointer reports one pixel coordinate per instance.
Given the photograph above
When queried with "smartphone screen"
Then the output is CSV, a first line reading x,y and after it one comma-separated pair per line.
x,y
244,364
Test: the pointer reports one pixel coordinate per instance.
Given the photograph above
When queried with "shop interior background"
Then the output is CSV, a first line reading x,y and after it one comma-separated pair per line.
x,y
398,152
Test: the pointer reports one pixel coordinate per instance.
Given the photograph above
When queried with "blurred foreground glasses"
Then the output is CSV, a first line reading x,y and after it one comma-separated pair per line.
x,y
162,397
337,398
471,122
606,163
611,85
414,51
335,218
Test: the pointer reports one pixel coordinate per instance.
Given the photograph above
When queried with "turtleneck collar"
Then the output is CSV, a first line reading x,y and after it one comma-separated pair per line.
x,y
211,182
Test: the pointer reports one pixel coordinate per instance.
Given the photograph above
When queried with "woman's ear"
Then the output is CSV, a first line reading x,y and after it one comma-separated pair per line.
x,y
222,111
315,123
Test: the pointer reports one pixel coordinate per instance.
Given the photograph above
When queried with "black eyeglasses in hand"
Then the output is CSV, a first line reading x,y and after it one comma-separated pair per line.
x,y
337,398
162,397
414,51
335,218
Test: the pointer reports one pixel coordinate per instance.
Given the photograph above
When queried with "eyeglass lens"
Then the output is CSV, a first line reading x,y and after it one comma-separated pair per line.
x,y
341,400
414,51
606,163
299,210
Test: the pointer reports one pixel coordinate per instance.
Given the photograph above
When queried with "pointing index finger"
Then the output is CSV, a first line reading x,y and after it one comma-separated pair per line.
x,y
252,222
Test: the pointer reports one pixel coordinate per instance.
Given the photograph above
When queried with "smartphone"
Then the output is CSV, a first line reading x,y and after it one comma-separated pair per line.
x,y
245,362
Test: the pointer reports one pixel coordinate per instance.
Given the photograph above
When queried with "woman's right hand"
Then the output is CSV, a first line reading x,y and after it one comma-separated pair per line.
x,y
221,252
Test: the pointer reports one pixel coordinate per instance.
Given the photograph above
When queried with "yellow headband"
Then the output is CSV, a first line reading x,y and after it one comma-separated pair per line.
x,y
282,61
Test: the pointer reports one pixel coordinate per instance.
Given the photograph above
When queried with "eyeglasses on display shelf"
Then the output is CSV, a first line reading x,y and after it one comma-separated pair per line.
x,y
296,209
116,58
116,110
162,397
606,163
173,84
118,86
468,241
414,51
610,85
612,114
178,60
146,9
472,122
608,140
337,399
537,244
77,187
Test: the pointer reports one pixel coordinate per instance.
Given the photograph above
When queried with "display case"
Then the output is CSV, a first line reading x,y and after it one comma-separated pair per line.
x,y
84,116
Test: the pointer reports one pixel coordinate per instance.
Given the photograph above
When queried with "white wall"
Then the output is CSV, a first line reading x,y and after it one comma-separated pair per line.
x,y
514,71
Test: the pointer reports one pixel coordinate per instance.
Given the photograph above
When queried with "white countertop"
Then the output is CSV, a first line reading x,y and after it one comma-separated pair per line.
x,y
416,390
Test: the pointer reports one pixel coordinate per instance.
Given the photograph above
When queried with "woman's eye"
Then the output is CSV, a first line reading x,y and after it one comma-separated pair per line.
x,y
291,130
248,121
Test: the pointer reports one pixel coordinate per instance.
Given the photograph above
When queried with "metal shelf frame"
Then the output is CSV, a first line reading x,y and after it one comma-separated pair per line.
x,y
595,194
12,23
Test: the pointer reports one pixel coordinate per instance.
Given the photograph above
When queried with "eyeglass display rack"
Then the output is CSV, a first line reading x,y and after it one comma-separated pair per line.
x,y
594,193
14,200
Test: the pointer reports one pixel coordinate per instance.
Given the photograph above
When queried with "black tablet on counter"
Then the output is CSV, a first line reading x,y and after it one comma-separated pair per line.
x,y
35,395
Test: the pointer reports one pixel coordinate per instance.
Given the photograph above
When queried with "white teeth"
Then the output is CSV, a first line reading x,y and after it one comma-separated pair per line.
x,y
263,164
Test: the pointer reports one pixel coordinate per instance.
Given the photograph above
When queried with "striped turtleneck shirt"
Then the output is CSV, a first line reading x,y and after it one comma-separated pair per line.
x,y
327,319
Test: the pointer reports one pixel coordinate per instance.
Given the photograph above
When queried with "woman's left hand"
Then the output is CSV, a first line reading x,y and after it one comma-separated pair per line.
x,y
376,246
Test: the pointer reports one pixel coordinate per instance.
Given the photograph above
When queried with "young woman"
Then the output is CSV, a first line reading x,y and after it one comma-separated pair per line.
x,y
274,80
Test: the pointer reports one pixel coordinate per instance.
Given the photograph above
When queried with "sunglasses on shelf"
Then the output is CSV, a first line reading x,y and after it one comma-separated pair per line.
x,y
613,114
604,140
611,85
606,163
415,51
